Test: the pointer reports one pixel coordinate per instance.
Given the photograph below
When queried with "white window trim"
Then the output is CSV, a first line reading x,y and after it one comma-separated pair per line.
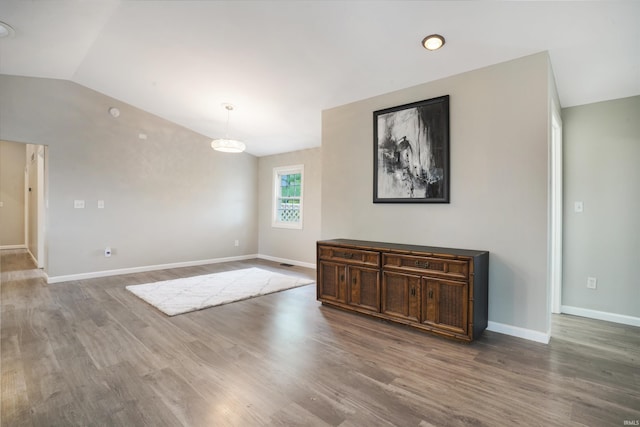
x,y
286,170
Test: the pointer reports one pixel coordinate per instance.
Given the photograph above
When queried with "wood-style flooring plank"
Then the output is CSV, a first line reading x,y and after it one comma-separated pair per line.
x,y
88,352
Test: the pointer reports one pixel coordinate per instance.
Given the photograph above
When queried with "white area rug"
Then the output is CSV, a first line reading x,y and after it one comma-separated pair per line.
x,y
195,293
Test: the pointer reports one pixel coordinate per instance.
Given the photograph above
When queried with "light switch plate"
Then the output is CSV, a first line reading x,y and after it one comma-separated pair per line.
x,y
578,207
78,204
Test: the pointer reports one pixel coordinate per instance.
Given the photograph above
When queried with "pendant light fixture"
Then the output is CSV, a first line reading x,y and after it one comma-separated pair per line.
x,y
225,144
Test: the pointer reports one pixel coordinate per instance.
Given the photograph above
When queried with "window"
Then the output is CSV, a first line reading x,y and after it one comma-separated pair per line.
x,y
287,200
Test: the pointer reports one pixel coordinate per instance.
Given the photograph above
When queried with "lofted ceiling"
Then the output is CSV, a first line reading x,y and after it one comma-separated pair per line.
x,y
282,62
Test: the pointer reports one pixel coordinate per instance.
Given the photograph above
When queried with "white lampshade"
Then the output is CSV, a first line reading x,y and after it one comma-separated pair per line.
x,y
228,145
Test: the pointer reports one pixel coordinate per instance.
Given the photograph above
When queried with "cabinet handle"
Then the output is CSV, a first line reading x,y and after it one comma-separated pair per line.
x,y
343,255
413,292
430,293
354,280
422,264
342,278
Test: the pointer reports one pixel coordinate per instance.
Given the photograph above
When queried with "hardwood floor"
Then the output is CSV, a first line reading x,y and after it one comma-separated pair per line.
x,y
89,353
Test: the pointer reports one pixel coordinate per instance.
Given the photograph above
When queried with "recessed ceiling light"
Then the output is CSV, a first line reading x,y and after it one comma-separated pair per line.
x,y
433,42
6,30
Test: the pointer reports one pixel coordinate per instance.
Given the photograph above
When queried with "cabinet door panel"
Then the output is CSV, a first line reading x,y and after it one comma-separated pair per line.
x,y
331,281
445,304
364,288
401,296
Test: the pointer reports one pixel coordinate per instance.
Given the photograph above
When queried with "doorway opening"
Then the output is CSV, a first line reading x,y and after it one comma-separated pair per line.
x,y
23,190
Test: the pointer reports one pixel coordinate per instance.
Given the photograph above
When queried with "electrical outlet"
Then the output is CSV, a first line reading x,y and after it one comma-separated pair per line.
x,y
592,282
236,243
78,204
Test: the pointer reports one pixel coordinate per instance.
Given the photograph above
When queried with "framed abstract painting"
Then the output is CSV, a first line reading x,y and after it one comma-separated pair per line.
x,y
411,152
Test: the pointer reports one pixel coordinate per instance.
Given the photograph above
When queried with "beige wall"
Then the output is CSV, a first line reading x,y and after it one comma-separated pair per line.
x,y
168,199
499,183
602,152
290,244
12,164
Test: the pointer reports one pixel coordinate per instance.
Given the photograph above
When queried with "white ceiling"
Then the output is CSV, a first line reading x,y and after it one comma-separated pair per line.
x,y
282,62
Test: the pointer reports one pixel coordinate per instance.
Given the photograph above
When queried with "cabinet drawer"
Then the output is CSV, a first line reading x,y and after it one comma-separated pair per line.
x,y
350,256
427,265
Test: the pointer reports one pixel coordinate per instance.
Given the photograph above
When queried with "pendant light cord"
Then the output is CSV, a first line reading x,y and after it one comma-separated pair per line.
x,y
229,107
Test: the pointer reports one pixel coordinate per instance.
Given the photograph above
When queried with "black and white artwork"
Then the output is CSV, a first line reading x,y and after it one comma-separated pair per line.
x,y
411,153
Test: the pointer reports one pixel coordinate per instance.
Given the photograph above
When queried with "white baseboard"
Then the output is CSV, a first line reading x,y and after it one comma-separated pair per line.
x,y
106,273
527,334
601,315
13,247
287,261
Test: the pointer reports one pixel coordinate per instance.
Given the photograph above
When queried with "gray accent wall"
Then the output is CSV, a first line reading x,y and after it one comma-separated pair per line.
x,y
601,169
283,243
12,166
499,181
168,198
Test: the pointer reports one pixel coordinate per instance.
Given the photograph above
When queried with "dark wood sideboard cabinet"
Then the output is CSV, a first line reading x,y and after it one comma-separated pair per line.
x,y
438,290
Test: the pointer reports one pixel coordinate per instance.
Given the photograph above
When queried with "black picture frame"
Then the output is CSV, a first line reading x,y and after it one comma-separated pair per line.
x,y
411,152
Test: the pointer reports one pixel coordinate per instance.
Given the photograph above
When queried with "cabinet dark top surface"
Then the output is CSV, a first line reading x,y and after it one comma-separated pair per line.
x,y
382,246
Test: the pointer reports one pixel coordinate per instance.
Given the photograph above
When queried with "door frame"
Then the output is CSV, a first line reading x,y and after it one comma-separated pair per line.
x,y
555,211
41,184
